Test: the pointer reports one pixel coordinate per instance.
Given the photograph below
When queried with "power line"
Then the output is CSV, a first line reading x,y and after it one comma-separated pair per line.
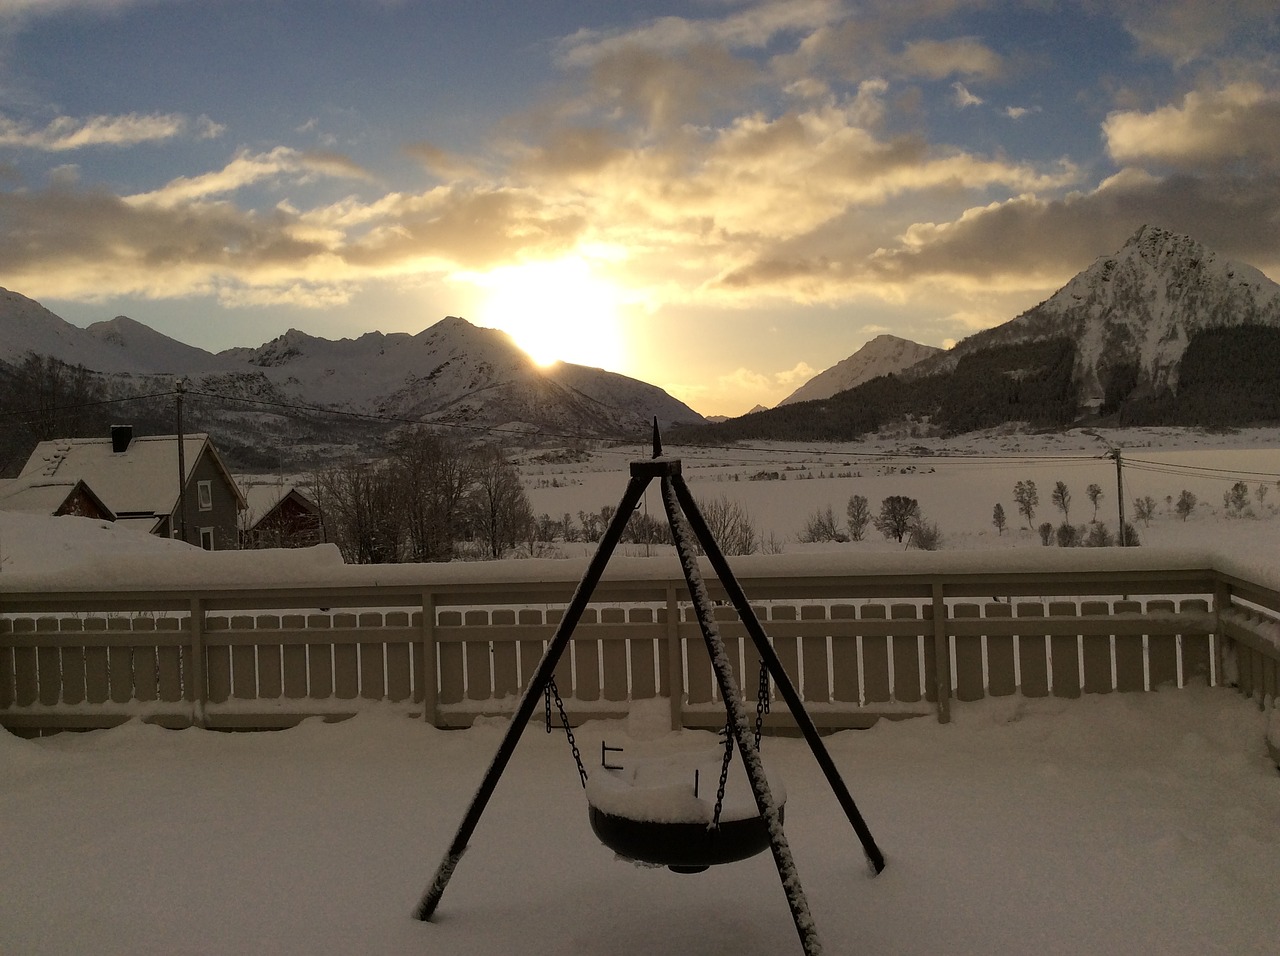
x,y
59,409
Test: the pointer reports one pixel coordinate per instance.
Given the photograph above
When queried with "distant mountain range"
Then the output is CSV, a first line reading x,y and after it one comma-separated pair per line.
x,y
450,374
1162,332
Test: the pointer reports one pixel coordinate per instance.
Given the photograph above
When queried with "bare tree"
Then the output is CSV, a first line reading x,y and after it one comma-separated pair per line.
x,y
897,512
1025,494
361,508
731,525
1185,505
498,507
924,534
1144,510
1236,500
435,474
859,514
1094,493
1062,500
821,525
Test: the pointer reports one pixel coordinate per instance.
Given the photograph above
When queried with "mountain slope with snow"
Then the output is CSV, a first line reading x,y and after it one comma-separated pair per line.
x,y
143,349
1139,307
883,355
452,372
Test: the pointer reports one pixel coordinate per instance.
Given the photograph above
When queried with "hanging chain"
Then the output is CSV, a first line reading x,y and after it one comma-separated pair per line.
x,y
724,774
762,708
547,694
762,701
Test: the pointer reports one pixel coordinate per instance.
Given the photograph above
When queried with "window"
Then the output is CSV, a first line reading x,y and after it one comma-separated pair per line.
x,y
204,491
206,538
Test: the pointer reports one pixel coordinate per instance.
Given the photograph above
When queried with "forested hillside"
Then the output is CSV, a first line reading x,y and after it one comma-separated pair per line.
x,y
1230,377
1028,382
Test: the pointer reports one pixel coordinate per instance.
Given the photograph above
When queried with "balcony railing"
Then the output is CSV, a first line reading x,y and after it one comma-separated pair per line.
x,y
864,638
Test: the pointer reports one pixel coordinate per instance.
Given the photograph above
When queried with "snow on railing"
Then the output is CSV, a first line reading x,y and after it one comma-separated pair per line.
x,y
859,647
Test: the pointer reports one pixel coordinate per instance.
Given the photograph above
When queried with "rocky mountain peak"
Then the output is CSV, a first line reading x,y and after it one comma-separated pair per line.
x,y
1138,308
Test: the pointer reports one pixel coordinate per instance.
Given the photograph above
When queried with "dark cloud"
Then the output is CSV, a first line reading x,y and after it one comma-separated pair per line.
x,y
1031,241
1236,216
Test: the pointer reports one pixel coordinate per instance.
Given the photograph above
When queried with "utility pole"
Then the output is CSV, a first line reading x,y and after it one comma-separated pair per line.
x,y
180,387
1115,453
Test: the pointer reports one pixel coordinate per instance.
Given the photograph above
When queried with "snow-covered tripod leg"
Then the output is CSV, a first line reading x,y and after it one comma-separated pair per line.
x,y
529,700
742,733
783,682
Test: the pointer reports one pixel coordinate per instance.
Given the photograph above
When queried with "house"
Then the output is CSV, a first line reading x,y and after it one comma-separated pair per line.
x,y
279,515
136,479
53,497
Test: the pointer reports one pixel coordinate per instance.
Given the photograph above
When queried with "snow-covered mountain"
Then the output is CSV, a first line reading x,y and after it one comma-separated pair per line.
x,y
1138,307
29,327
451,372
459,373
141,348
883,355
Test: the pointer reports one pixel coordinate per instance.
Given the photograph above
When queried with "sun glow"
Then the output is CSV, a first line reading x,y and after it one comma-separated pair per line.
x,y
556,311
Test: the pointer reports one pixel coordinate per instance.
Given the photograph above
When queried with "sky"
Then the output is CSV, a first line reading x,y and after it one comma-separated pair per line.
x,y
721,197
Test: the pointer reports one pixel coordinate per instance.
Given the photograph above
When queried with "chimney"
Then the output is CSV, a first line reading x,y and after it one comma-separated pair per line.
x,y
121,435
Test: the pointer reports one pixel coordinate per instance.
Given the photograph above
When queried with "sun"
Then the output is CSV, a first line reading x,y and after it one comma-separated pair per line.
x,y
558,311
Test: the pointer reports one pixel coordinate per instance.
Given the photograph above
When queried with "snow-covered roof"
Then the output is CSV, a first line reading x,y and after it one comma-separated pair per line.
x,y
141,480
263,496
42,496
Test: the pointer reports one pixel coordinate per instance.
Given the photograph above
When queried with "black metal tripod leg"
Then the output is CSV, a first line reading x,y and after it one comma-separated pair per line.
x,y
780,677
529,699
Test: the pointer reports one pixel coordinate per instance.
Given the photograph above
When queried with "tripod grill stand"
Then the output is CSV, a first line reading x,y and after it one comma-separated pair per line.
x,y
686,523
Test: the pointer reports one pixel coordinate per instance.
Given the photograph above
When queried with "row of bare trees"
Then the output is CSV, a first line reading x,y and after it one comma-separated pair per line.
x,y
432,499
899,518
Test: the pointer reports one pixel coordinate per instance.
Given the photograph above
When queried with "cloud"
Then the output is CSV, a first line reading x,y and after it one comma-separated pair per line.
x,y
732,160
1184,31
938,59
247,169
68,133
1238,122
442,162
1040,241
963,98
68,242
23,9
750,28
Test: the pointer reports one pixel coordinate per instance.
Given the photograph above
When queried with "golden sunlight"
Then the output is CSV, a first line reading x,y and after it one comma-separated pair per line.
x,y
556,311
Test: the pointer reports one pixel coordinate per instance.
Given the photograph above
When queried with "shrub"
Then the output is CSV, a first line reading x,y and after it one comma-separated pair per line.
x,y
1046,533
821,526
1067,536
924,535
1099,536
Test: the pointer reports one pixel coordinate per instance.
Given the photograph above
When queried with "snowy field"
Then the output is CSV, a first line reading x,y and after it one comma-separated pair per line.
x,y
1112,824
958,482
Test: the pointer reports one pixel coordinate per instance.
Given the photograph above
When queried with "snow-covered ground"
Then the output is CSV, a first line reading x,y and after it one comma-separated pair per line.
x,y
1111,824
958,483
1119,825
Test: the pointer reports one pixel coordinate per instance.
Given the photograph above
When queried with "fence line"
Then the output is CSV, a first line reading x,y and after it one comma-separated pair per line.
x,y
858,648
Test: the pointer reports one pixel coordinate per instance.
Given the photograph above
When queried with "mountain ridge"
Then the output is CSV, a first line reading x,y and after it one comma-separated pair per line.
x,y
452,373
1111,342
883,355
1138,307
